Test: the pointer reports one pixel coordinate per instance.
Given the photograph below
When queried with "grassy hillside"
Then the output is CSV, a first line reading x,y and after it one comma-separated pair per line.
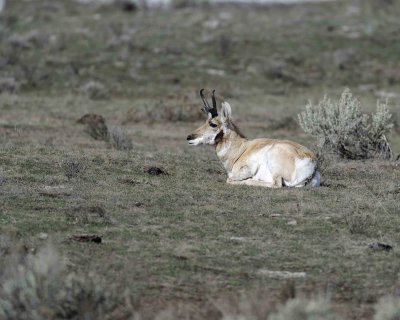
x,y
185,241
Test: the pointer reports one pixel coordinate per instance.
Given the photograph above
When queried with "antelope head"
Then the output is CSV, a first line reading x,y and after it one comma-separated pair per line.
x,y
216,124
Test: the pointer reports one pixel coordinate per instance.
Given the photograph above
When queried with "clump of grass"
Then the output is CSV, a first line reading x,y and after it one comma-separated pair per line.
x,y
95,90
119,139
358,222
304,309
387,308
72,167
343,129
97,128
39,287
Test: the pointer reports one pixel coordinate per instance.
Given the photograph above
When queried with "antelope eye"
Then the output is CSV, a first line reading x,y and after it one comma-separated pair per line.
x,y
213,125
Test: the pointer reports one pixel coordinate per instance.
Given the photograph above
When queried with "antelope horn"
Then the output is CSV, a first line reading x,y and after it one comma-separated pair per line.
x,y
214,110
207,109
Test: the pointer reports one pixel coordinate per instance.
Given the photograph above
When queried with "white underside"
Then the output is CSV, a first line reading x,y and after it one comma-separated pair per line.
x,y
264,166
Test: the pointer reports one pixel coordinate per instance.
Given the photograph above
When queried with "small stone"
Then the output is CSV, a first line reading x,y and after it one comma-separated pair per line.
x,y
292,223
281,274
87,238
43,236
239,239
155,171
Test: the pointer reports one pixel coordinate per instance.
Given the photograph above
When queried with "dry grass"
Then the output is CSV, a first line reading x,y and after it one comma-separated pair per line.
x,y
186,243
165,110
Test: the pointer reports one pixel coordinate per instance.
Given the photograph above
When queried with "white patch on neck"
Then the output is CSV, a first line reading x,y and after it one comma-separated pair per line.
x,y
224,150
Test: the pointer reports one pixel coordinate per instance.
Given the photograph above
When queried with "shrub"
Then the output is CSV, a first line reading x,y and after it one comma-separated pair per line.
x,y
72,167
387,308
95,126
343,129
39,287
119,139
95,90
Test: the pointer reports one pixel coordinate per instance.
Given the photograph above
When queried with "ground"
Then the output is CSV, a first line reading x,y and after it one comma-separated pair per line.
x,y
186,238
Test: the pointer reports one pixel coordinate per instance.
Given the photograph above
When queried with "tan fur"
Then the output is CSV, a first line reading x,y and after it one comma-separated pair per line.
x,y
258,162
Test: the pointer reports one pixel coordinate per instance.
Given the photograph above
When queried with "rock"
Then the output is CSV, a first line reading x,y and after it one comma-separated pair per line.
x,y
343,57
292,223
155,171
43,236
281,274
239,239
211,24
128,5
87,238
216,72
378,246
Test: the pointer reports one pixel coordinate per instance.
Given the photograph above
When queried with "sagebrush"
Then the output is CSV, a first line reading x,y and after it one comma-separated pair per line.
x,y
119,139
304,309
342,128
387,308
38,286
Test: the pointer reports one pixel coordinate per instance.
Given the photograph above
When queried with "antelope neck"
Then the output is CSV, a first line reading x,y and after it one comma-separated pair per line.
x,y
229,148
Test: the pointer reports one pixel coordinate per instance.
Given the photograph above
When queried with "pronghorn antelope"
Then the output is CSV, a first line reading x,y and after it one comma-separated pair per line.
x,y
259,162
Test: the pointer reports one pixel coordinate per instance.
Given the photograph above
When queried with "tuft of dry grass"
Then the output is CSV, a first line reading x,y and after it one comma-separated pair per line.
x,y
73,167
119,139
359,222
95,90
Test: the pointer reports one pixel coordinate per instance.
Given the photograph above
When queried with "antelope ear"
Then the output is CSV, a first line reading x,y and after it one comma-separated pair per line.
x,y
226,112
